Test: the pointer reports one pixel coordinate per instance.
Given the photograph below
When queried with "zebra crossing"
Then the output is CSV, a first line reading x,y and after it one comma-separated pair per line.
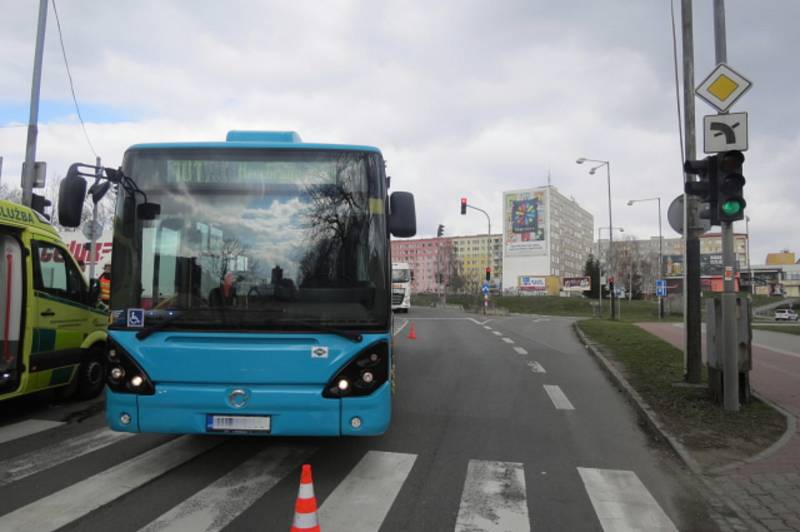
x,y
493,497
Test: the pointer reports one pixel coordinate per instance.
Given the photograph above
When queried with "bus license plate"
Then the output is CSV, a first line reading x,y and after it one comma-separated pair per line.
x,y
237,423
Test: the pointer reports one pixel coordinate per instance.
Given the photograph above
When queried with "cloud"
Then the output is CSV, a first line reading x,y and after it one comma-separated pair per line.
x,y
463,98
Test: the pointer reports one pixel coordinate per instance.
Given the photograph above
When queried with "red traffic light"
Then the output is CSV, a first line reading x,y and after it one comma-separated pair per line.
x,y
463,205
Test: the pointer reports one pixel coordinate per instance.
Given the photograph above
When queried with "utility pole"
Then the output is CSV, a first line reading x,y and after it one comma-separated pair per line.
x,y
33,128
692,229
729,349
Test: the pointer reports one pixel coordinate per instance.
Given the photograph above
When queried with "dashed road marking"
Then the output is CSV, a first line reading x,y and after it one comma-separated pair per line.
x,y
520,350
494,498
622,503
536,367
558,397
497,333
487,327
508,340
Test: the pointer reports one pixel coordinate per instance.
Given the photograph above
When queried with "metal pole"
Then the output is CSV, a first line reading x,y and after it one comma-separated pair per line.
x,y
93,252
599,275
660,259
730,360
33,120
691,315
610,239
749,264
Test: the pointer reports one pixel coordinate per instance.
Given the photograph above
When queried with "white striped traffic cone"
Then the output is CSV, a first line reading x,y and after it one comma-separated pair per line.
x,y
305,508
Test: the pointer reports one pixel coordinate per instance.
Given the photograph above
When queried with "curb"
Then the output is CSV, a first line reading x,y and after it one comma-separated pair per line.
x,y
649,416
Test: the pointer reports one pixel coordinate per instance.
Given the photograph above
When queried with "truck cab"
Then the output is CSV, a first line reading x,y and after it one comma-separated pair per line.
x,y
52,330
401,286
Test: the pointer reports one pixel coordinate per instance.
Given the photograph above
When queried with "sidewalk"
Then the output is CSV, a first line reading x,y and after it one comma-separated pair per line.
x,y
767,489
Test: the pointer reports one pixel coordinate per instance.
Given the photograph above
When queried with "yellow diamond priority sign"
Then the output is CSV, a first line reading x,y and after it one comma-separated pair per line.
x,y
723,87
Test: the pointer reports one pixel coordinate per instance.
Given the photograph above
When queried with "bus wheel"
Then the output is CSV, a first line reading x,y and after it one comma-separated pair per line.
x,y
91,374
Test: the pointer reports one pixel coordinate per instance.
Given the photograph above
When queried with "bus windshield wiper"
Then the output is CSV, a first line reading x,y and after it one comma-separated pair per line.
x,y
344,333
147,331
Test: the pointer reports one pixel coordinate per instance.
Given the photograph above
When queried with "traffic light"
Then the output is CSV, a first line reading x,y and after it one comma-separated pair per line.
x,y
463,205
706,189
440,231
730,202
488,273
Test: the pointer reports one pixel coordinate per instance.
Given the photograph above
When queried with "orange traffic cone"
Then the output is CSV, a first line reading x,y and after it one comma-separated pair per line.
x,y
305,508
412,334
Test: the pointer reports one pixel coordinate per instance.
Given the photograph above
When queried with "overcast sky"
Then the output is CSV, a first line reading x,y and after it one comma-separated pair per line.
x,y
464,98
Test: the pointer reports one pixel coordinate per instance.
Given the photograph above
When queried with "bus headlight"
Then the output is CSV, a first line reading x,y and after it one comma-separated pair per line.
x,y
362,375
124,365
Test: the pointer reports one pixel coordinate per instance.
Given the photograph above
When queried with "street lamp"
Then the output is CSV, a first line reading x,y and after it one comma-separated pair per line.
x,y
660,248
592,170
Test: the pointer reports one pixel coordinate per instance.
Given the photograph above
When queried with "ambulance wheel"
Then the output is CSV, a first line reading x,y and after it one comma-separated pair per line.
x,y
91,374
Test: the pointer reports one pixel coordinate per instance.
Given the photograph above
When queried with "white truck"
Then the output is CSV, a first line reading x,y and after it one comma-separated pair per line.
x,y
401,286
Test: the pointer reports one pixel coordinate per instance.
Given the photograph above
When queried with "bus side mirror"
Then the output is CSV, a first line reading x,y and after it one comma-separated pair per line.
x,y
402,215
71,193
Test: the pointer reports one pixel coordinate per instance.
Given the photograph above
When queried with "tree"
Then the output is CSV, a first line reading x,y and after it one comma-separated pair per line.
x,y
591,269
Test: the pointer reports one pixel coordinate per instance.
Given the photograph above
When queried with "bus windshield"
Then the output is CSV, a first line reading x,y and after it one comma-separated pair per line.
x,y
255,238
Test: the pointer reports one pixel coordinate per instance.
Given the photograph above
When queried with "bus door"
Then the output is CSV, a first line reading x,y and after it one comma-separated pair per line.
x,y
11,308
61,317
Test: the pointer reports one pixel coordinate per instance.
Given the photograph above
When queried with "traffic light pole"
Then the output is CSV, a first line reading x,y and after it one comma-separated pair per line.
x,y
729,347
28,172
691,316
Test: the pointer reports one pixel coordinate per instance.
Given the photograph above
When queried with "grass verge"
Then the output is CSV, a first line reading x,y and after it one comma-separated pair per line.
x,y
713,436
788,329
636,310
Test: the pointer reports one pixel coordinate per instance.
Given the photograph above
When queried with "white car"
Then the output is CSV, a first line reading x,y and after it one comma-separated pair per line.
x,y
785,314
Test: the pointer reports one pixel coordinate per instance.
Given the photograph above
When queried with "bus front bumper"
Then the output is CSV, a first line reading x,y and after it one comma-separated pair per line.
x,y
293,410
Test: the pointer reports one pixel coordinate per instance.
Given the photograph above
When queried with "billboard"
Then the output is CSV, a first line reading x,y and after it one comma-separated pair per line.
x,y
532,285
524,223
710,264
577,284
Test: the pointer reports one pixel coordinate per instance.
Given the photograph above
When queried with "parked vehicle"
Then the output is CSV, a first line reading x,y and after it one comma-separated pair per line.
x,y
52,333
786,314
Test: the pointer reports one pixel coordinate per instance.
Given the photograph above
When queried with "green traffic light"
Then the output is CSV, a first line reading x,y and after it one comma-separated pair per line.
x,y
731,208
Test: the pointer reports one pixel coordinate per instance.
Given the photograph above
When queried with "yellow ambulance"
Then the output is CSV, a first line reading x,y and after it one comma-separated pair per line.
x,y
52,331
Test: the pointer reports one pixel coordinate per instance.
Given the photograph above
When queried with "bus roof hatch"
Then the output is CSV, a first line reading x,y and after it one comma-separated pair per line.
x,y
263,136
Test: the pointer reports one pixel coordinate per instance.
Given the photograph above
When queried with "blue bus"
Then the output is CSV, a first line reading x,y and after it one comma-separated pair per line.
x,y
251,286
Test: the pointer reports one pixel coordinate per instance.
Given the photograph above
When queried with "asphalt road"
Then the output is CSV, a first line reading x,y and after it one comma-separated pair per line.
x,y
506,424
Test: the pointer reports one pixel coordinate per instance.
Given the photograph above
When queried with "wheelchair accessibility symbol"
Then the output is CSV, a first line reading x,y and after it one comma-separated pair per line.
x,y
135,317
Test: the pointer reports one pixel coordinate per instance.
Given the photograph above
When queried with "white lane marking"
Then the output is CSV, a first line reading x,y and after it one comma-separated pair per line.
x,y
26,428
75,501
361,501
520,350
508,340
558,397
37,461
215,506
622,503
405,322
496,333
540,320
487,327
536,367
494,498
